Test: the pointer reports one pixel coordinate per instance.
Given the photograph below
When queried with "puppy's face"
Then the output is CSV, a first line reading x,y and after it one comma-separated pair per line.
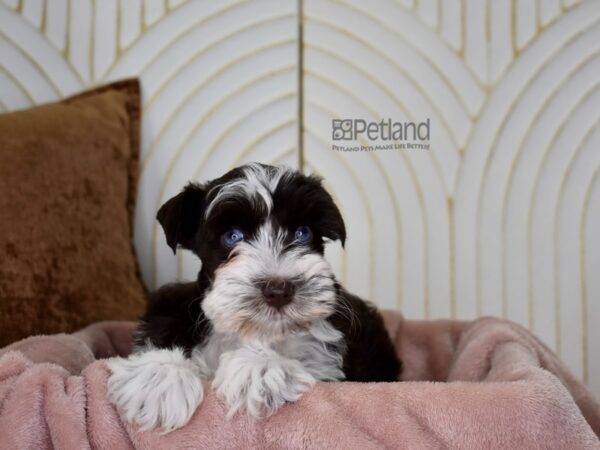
x,y
259,231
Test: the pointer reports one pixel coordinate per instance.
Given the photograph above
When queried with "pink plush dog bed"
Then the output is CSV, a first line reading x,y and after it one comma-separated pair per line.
x,y
503,389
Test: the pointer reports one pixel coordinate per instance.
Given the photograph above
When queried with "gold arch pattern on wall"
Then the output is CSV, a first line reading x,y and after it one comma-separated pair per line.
x,y
506,155
499,217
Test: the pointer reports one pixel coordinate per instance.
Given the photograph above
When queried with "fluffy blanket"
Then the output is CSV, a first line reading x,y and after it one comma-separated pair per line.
x,y
481,384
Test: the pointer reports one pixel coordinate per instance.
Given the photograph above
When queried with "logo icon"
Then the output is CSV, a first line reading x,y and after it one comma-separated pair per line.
x,y
341,129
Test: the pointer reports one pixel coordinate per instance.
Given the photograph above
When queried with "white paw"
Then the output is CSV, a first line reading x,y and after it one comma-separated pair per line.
x,y
259,380
156,388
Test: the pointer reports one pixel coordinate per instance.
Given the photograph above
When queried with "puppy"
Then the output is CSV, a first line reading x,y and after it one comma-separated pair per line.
x,y
265,319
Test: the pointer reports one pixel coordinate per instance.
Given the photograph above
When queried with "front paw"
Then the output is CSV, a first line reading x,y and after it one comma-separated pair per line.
x,y
259,380
156,388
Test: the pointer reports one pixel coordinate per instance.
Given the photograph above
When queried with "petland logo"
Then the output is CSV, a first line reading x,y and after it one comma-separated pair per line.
x,y
383,135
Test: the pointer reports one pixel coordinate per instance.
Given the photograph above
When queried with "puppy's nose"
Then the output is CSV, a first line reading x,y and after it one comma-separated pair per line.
x,y
278,292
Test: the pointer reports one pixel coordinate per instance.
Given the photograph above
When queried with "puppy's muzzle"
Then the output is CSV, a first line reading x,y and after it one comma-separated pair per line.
x,y
278,292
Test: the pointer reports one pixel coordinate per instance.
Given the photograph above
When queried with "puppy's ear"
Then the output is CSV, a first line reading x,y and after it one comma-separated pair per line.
x,y
180,216
330,222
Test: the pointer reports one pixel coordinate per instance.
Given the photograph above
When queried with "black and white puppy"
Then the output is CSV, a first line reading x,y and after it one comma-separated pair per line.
x,y
265,319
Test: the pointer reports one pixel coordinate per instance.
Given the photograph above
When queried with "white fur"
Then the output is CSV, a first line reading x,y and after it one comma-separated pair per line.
x,y
260,376
161,388
258,183
259,380
319,350
156,388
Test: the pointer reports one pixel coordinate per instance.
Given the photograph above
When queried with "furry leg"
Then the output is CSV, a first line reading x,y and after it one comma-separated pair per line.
x,y
156,387
258,379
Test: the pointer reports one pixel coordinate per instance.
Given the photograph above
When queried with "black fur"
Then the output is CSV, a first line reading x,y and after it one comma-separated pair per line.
x,y
371,356
180,217
174,316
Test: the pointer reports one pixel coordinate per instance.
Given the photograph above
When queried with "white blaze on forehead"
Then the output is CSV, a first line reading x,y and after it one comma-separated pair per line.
x,y
258,182
268,241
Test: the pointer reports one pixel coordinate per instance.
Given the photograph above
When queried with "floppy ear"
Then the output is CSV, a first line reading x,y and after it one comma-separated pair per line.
x,y
180,216
330,223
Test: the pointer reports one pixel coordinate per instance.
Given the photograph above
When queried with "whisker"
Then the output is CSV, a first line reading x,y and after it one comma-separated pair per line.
x,y
348,313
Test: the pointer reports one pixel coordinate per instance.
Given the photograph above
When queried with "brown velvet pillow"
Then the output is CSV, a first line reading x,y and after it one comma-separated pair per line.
x,y
68,175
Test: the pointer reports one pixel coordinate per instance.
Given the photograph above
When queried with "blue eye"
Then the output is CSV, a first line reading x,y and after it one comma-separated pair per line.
x,y
232,237
303,234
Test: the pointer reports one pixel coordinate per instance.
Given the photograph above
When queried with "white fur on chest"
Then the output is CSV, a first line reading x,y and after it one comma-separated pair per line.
x,y
319,350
